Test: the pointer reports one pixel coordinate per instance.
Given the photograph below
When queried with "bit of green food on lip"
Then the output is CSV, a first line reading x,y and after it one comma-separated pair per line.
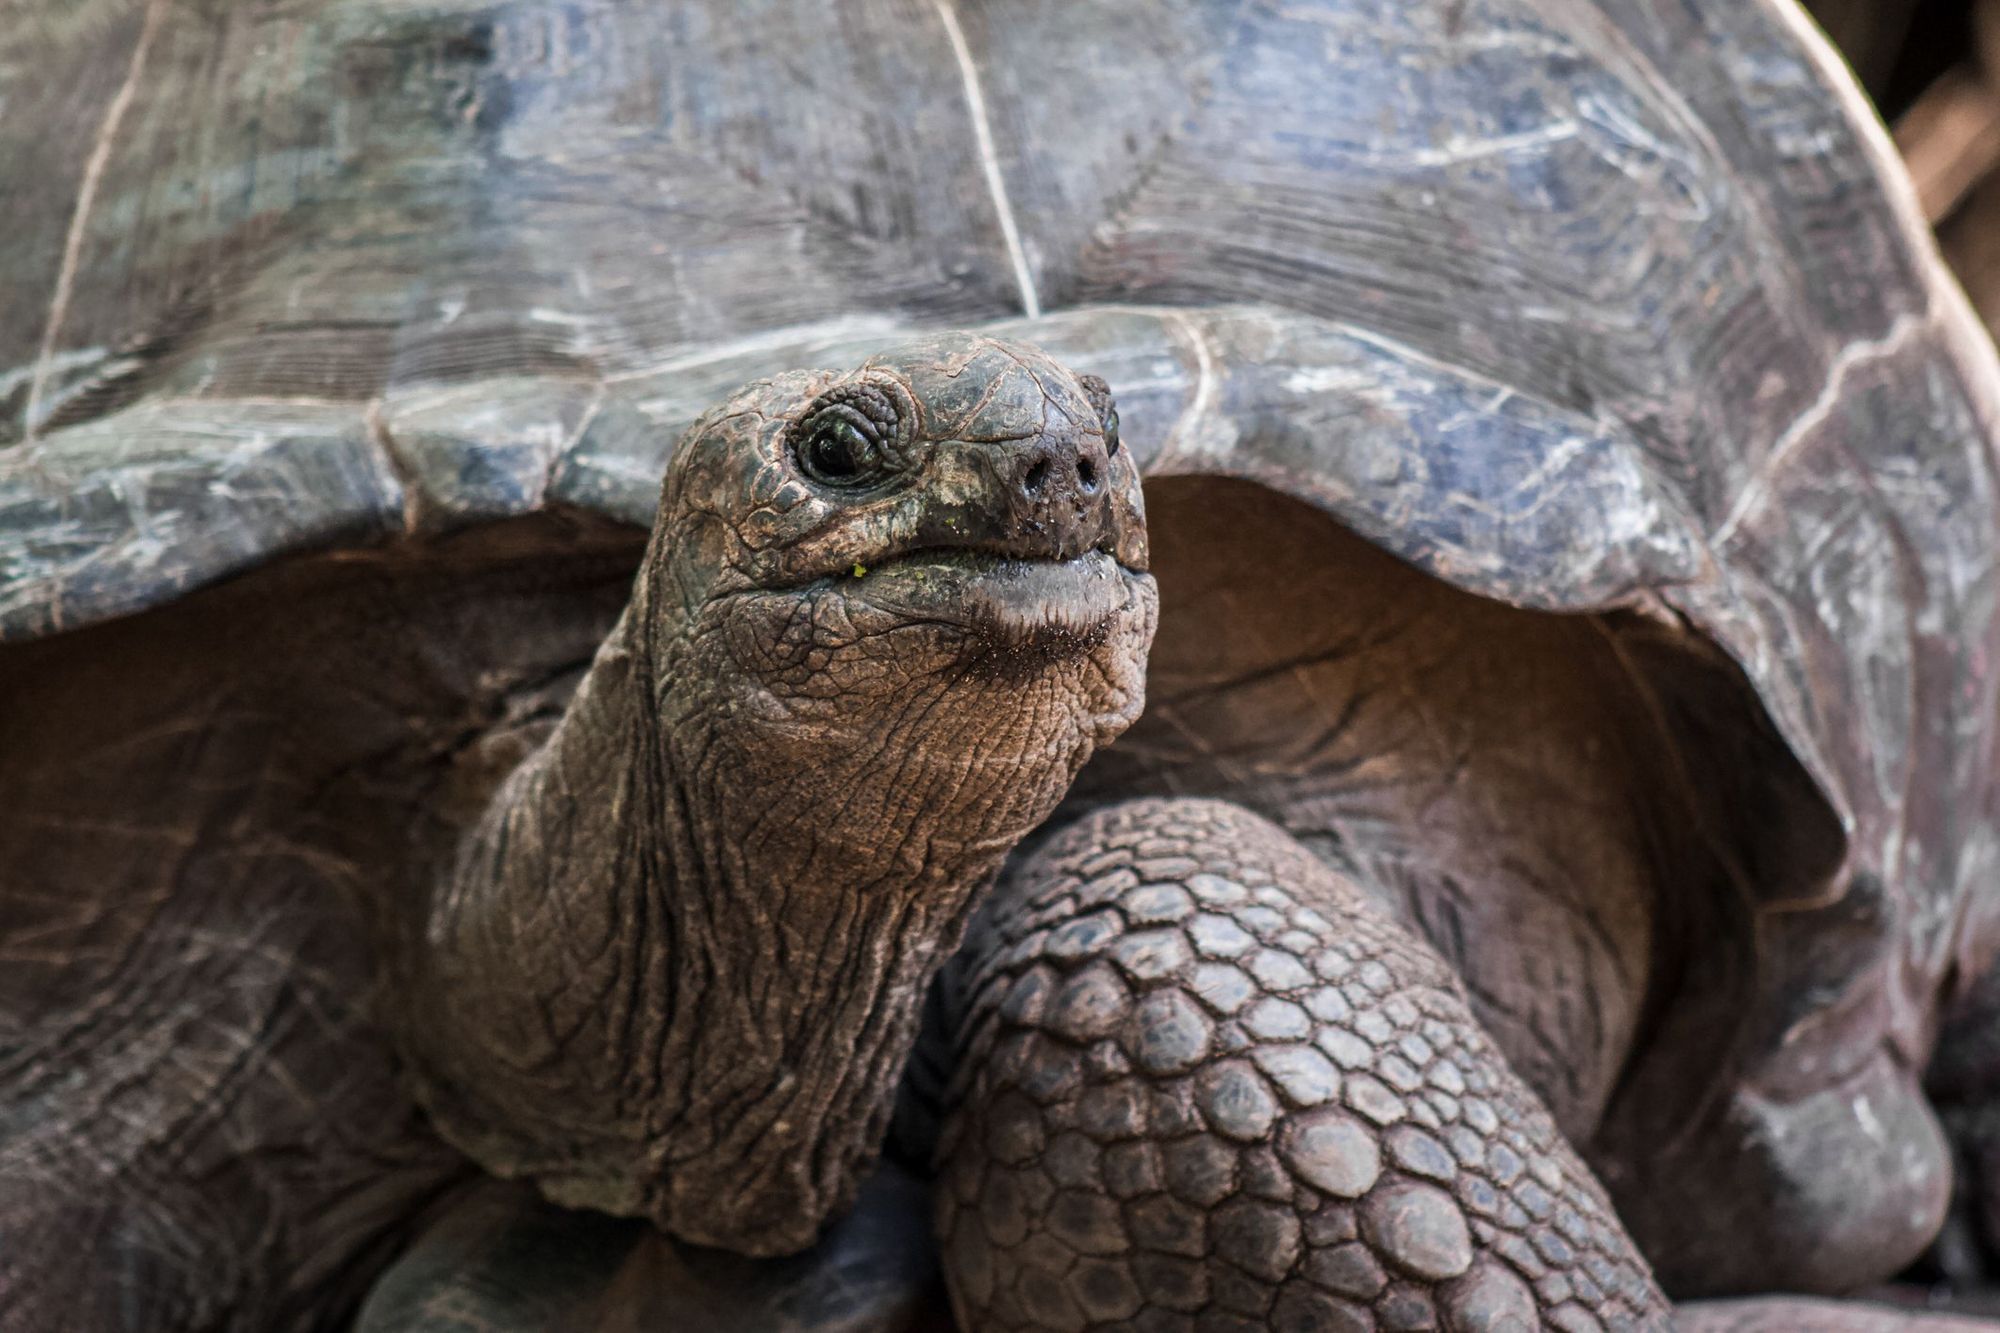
x,y
859,569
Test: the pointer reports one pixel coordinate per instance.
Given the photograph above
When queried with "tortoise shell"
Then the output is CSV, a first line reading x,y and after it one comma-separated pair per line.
x,y
1608,310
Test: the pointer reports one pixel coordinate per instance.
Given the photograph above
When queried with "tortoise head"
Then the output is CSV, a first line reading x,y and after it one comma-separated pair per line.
x,y
943,547
962,482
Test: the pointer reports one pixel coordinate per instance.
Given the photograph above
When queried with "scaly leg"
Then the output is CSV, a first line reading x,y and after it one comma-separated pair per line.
x,y
1207,1083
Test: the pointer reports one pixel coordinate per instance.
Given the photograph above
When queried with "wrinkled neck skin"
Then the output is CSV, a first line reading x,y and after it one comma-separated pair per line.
x,y
678,968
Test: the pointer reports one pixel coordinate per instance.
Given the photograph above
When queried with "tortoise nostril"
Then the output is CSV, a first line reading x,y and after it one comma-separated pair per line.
x,y
1048,497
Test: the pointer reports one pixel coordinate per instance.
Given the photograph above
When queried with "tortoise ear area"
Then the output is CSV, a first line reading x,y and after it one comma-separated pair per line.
x,y
1099,392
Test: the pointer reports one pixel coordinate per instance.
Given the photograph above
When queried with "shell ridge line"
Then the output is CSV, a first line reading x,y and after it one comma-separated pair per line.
x,y
1196,338
1957,323
86,202
989,157
1907,325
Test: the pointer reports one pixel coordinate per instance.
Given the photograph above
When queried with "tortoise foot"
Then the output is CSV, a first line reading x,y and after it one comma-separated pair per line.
x,y
1822,1194
1208,1084
1964,1080
1790,1314
500,1259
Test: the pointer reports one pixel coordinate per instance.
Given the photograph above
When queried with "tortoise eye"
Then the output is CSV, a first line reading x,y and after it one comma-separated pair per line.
x,y
846,439
837,452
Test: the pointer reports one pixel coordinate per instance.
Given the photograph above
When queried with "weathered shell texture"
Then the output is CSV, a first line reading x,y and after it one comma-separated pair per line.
x,y
1576,304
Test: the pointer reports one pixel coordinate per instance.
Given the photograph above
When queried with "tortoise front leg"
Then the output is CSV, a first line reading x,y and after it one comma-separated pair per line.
x,y
1208,1083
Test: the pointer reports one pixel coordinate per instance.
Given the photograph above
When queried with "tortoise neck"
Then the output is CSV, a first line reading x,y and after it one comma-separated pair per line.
x,y
658,987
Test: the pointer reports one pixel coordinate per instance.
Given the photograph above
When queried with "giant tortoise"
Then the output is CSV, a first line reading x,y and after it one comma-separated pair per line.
x,y
1562,807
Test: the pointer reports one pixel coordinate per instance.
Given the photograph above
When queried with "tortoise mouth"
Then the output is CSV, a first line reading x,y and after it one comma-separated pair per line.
x,y
949,542
989,553
1055,604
